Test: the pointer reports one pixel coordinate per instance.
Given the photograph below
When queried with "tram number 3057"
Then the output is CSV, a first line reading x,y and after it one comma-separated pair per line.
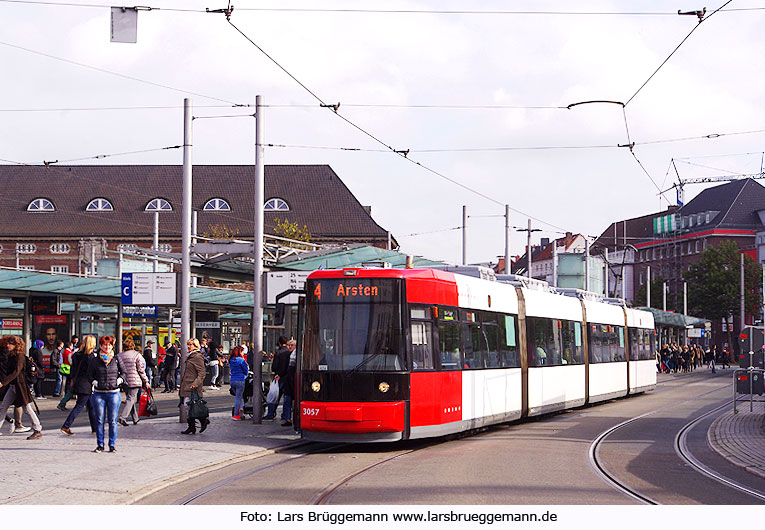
x,y
310,412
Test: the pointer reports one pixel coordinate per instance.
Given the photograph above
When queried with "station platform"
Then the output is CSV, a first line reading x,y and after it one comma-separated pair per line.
x,y
63,470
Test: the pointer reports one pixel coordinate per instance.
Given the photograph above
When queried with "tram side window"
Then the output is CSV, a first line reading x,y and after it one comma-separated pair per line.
x,y
573,350
491,332
544,341
597,346
475,346
508,342
606,343
449,344
636,343
422,350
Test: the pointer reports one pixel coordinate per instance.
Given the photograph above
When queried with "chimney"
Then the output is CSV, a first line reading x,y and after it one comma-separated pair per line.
x,y
368,209
545,241
569,238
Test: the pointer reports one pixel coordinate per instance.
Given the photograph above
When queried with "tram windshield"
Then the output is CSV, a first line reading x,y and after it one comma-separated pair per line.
x,y
354,324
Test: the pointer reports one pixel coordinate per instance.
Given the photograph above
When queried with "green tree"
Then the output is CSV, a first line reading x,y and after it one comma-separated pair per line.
x,y
292,231
714,283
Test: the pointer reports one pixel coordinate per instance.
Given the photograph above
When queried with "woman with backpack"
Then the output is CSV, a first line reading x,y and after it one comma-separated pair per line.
x,y
14,379
81,385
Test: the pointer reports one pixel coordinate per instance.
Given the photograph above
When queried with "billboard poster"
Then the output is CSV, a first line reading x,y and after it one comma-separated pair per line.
x,y
49,329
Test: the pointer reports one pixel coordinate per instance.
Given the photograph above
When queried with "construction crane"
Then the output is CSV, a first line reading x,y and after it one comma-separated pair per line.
x,y
681,182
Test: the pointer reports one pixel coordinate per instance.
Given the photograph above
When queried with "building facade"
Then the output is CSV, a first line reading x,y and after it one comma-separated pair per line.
x,y
65,219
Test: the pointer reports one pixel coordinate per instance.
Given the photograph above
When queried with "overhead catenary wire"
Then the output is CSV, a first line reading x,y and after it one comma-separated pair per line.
x,y
403,154
701,20
382,11
124,153
123,76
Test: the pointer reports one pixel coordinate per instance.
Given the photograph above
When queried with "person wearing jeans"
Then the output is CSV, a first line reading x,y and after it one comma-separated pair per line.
x,y
239,370
131,365
104,372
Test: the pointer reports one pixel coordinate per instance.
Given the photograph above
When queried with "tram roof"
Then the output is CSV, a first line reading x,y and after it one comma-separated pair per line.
x,y
100,290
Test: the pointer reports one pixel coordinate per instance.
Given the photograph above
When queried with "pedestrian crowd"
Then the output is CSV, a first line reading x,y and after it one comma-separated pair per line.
x,y
673,358
94,375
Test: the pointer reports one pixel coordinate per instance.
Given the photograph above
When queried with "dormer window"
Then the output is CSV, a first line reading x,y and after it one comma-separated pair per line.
x,y
276,205
99,205
41,205
217,205
158,205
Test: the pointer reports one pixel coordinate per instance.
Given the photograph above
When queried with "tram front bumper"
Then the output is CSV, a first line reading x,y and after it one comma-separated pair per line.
x,y
353,417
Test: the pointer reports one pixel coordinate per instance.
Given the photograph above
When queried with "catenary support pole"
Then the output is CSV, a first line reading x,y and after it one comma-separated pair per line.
x,y
155,242
257,315
648,287
118,330
528,249
464,234
555,263
507,239
586,264
742,313
664,296
194,239
685,298
186,243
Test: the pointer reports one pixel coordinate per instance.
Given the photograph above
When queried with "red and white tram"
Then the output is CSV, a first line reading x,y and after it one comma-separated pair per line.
x,y
398,354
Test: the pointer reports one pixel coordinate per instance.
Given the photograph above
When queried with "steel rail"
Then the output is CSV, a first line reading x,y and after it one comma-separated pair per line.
x,y
681,448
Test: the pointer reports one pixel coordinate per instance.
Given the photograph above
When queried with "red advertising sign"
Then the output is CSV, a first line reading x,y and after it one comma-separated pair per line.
x,y
50,319
12,324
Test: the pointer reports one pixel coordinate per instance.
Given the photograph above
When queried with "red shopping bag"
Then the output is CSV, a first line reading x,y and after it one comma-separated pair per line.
x,y
146,405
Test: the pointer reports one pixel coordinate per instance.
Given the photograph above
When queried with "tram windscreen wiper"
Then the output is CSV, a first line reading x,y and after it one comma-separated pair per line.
x,y
364,361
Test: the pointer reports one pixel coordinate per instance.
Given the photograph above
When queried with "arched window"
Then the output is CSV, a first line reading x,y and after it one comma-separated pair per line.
x,y
127,247
60,248
276,205
41,205
217,205
159,205
99,205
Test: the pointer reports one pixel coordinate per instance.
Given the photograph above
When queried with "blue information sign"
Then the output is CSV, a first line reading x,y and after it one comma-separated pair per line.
x,y
127,288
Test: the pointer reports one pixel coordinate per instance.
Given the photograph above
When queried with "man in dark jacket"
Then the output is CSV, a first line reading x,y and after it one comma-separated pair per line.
x,y
148,356
35,353
168,370
281,369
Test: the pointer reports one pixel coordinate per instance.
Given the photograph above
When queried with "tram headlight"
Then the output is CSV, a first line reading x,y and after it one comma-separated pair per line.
x,y
384,387
315,386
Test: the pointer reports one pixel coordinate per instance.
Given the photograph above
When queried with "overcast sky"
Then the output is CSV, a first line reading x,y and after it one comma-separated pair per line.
x,y
712,85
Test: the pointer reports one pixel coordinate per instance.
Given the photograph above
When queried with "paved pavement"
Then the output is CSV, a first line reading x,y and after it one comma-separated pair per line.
x,y
740,438
59,469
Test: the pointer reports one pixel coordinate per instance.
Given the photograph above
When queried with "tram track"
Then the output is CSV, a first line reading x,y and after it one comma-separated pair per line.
x,y
323,496
681,449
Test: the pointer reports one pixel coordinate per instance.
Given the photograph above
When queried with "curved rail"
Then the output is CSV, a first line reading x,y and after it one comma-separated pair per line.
x,y
681,448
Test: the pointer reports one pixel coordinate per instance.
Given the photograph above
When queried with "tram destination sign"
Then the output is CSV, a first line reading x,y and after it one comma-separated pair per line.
x,y
354,290
150,288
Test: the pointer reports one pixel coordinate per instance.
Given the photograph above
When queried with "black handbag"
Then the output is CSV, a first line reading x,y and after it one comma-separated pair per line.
x,y
151,405
197,407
